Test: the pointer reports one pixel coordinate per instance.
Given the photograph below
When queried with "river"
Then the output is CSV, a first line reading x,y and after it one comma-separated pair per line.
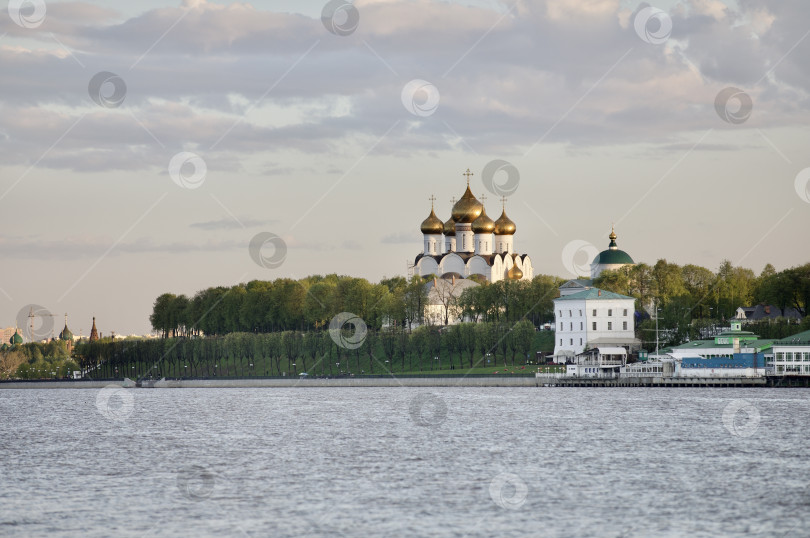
x,y
445,462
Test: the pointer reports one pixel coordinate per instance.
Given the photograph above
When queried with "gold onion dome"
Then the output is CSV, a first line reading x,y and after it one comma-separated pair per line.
x,y
468,208
483,224
504,225
432,224
450,227
514,273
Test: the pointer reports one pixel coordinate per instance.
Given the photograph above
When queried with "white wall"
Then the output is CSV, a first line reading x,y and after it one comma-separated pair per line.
x,y
573,322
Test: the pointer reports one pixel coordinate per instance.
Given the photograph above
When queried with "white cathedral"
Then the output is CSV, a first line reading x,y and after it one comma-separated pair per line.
x,y
474,245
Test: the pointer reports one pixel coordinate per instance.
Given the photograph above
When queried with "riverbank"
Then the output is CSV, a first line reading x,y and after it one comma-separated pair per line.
x,y
437,381
415,381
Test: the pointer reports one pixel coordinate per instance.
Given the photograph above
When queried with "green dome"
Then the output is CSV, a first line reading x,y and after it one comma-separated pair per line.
x,y
66,334
610,257
16,339
4,347
613,256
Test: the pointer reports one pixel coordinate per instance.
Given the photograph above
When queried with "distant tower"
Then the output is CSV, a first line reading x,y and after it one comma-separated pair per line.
x,y
94,331
16,339
67,336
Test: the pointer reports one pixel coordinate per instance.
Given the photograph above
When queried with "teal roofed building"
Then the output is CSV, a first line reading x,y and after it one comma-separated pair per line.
x,y
612,258
791,355
591,319
729,354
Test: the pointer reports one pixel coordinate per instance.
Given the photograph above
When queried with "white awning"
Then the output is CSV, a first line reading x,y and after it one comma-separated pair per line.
x,y
612,351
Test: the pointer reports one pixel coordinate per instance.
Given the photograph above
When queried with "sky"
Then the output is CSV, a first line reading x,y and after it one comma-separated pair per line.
x,y
145,146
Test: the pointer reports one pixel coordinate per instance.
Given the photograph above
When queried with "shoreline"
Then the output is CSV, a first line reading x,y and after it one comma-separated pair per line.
x,y
416,381
436,381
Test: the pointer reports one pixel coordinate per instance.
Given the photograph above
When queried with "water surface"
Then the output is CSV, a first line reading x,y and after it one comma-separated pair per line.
x,y
405,461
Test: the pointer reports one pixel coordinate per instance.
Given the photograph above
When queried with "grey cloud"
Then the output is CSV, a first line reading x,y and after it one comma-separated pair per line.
x,y
93,247
528,74
407,238
230,224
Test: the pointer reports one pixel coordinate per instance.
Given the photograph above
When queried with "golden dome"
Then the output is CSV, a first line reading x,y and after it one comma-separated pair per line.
x,y
468,208
514,273
504,225
483,224
612,235
450,227
432,224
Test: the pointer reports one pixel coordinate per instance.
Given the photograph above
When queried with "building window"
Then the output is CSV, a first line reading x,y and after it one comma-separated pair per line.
x,y
580,312
624,325
581,326
625,311
569,314
571,326
572,341
610,311
594,325
560,313
580,341
610,325
561,326
594,311
560,341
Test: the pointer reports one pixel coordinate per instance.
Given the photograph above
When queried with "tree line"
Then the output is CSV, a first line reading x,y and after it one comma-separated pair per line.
x,y
349,349
691,299
311,303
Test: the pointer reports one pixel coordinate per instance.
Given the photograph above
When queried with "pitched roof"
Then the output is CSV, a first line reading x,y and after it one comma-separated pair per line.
x,y
802,338
593,294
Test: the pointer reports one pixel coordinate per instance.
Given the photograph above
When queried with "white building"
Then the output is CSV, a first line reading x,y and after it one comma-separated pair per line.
x,y
474,244
442,296
593,318
599,362
791,356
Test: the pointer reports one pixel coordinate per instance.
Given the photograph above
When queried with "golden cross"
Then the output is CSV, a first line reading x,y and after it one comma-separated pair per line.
x,y
503,201
453,200
468,174
483,198
432,199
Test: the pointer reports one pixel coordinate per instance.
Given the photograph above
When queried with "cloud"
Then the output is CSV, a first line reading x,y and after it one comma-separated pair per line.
x,y
255,81
231,224
72,248
408,238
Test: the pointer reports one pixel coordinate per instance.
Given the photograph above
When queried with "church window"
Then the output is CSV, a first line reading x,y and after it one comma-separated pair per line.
x,y
571,326
625,311
580,341
610,326
561,326
560,313
580,312
560,341
581,325
594,311
569,314
594,325
572,341
624,325
610,311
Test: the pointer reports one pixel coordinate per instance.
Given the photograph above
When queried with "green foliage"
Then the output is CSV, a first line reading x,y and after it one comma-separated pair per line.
x,y
691,298
289,353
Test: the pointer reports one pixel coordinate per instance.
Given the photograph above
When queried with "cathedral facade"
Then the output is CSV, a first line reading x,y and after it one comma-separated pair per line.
x,y
471,244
